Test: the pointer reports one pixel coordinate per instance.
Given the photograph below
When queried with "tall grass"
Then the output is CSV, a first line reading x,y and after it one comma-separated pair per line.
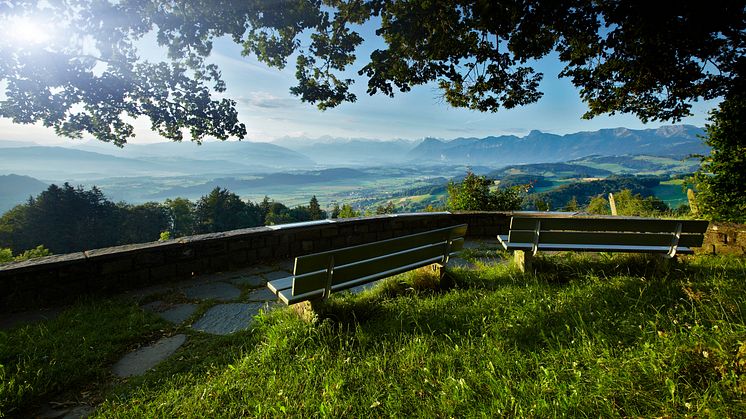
x,y
588,336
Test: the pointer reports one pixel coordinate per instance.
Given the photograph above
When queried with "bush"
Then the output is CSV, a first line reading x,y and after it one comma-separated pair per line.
x,y
6,255
629,204
474,194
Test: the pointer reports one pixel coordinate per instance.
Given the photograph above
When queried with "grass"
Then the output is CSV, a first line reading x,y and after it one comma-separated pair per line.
x,y
75,350
601,335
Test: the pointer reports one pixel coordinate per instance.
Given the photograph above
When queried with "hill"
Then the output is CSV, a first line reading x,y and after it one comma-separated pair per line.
x,y
254,157
93,161
15,189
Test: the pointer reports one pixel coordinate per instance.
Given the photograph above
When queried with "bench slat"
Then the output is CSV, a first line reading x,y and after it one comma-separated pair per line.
x,y
386,274
318,261
369,267
280,284
364,268
643,225
288,298
603,237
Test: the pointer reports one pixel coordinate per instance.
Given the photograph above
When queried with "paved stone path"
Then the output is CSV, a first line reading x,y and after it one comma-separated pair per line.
x,y
238,297
138,362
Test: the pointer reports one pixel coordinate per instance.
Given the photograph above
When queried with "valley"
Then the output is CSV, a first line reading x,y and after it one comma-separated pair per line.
x,y
363,173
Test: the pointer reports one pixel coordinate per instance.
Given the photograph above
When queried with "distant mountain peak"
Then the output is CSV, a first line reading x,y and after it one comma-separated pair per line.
x,y
541,147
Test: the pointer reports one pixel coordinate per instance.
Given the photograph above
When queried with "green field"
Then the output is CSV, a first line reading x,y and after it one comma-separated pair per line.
x,y
379,185
672,193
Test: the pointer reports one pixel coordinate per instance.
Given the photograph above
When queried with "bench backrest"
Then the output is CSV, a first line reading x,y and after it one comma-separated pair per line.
x,y
607,231
323,270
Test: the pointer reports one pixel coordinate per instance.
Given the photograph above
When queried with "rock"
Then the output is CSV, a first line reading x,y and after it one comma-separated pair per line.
x,y
213,291
155,306
271,276
262,294
259,269
224,319
79,412
145,358
178,313
174,313
251,281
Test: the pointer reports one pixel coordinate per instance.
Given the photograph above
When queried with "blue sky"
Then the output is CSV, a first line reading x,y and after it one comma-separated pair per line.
x,y
271,112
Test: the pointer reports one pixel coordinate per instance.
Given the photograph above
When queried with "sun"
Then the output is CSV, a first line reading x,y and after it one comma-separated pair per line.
x,y
25,30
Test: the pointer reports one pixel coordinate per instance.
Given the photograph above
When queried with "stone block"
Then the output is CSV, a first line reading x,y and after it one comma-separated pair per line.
x,y
220,262
234,245
149,258
164,273
237,258
385,235
258,242
281,251
346,230
339,242
264,253
213,248
329,232
307,245
120,264
309,234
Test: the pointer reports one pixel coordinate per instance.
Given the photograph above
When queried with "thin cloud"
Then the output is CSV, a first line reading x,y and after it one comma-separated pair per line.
x,y
267,100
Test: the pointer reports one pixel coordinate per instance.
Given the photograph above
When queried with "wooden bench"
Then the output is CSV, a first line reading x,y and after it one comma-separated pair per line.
x,y
530,234
318,275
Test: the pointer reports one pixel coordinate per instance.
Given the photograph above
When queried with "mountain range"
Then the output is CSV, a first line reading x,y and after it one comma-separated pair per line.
x,y
540,147
96,160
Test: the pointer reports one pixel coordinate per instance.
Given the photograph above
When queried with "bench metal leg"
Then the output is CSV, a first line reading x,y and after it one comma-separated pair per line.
x,y
523,260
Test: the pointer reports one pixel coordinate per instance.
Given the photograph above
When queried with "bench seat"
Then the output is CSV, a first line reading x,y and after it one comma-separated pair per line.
x,y
317,275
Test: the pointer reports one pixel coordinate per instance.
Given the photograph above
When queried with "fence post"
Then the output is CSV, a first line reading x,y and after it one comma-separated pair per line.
x,y
612,204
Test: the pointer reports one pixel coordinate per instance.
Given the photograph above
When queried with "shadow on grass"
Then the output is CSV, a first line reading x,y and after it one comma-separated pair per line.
x,y
611,298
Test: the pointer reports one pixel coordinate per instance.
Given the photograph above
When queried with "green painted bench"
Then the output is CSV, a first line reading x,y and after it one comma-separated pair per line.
x,y
531,234
318,275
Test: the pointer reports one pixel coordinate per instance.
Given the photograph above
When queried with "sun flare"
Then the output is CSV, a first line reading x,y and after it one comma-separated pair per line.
x,y
25,30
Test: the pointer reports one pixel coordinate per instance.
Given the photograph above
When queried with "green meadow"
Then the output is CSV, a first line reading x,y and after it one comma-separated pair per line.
x,y
604,335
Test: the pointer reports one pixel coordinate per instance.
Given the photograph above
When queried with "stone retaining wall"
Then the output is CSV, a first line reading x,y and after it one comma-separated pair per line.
x,y
60,279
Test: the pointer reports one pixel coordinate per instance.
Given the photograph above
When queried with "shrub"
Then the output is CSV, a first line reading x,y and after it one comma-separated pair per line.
x,y
474,194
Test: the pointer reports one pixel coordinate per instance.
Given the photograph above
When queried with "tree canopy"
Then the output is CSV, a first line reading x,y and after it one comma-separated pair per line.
x,y
624,56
